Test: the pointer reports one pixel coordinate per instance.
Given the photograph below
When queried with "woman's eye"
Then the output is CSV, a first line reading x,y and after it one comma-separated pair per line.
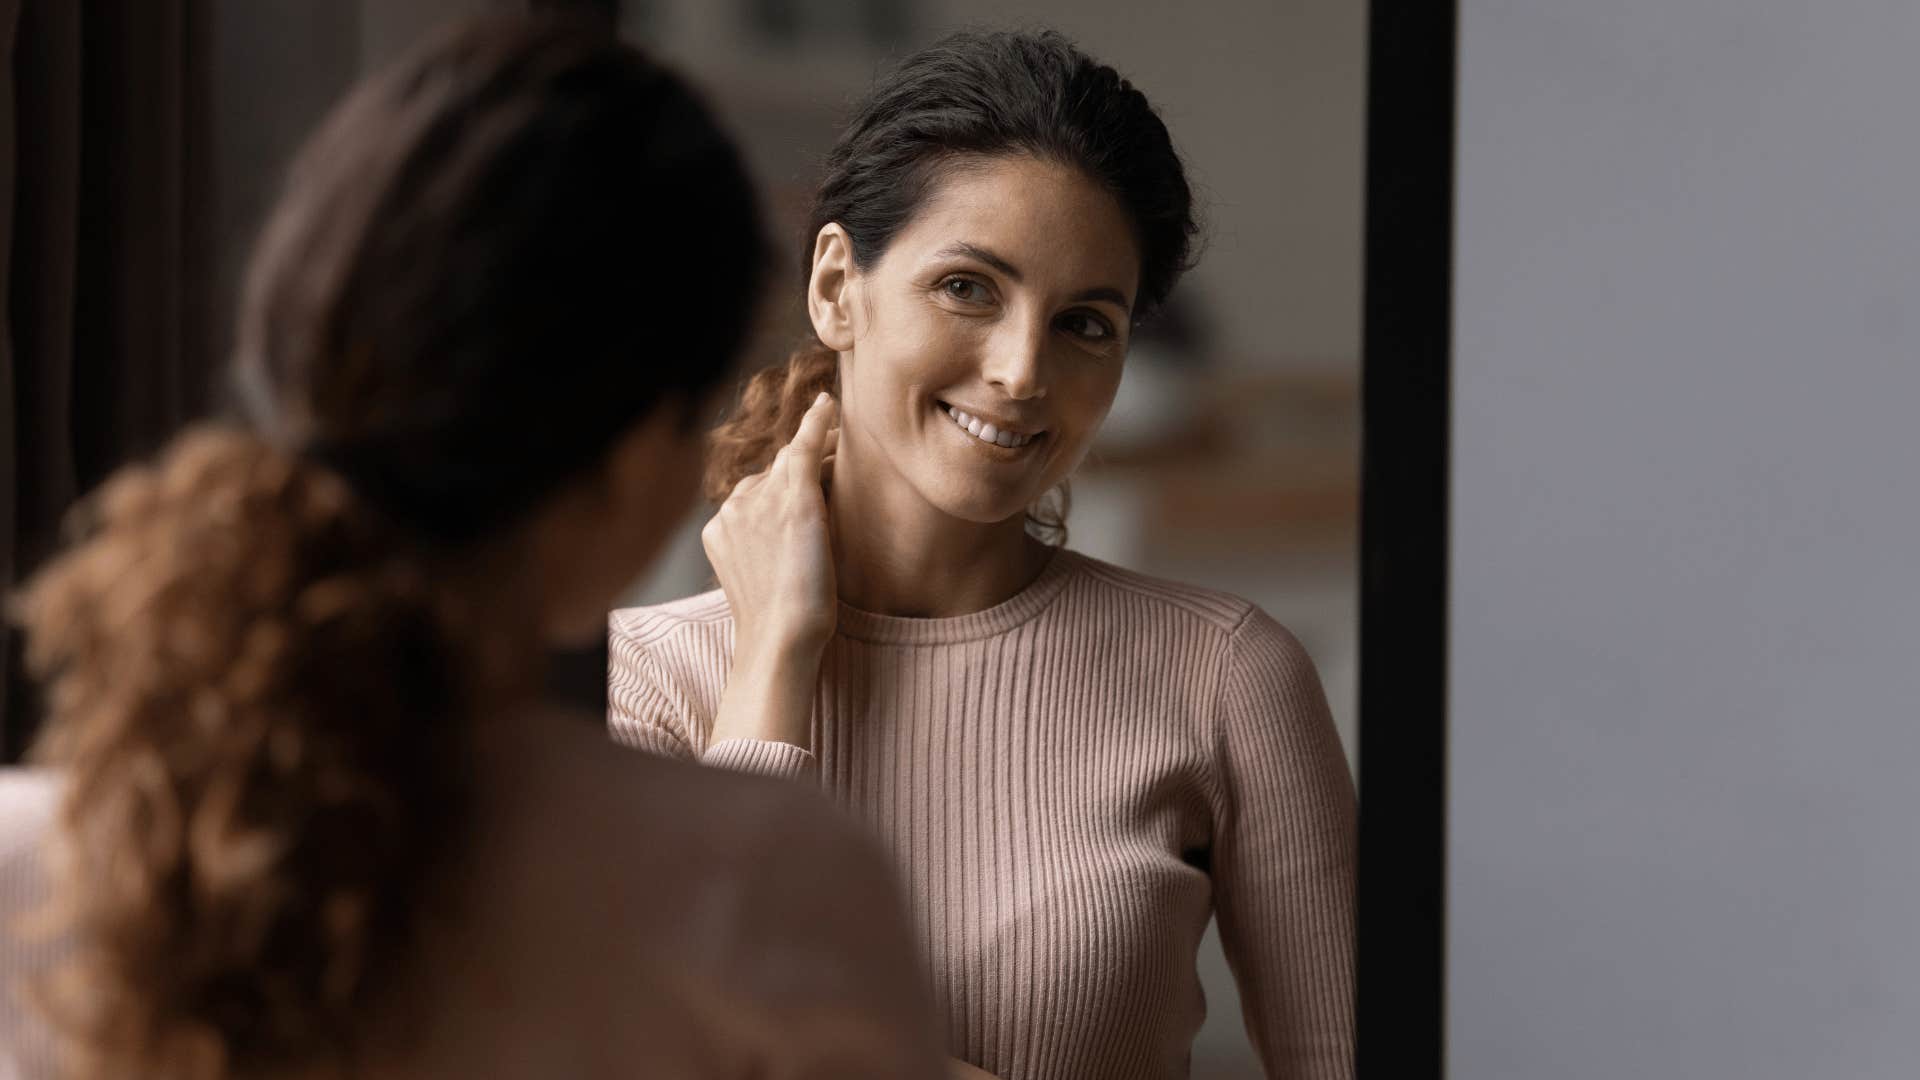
x,y
958,288
1091,327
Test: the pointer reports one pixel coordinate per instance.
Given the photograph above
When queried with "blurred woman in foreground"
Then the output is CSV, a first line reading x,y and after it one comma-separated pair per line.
x,y
311,816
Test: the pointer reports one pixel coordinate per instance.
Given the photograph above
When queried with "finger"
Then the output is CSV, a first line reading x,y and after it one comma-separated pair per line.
x,y
810,441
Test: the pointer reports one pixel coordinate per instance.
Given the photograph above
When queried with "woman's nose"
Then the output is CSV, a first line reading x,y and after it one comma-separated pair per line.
x,y
1016,359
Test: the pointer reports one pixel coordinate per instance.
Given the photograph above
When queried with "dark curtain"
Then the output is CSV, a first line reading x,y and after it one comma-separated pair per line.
x,y
103,258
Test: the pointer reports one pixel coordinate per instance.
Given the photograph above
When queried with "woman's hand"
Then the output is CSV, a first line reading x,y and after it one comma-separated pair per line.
x,y
769,545
771,549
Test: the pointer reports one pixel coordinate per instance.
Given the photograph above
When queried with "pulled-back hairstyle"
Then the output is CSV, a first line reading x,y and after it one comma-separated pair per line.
x,y
974,94
259,684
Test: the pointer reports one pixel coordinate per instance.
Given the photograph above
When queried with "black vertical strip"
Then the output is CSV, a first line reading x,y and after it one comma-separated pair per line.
x,y
1403,538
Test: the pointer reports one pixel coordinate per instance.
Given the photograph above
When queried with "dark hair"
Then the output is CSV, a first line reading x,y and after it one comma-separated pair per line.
x,y
999,94
974,94
452,305
257,684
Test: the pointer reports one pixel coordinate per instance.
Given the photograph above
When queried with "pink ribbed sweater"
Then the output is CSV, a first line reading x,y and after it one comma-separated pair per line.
x,y
28,801
1071,782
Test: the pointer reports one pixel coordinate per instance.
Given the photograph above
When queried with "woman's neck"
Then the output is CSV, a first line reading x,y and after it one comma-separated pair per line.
x,y
896,555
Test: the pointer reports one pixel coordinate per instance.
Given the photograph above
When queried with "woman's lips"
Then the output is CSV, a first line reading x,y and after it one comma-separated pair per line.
x,y
987,432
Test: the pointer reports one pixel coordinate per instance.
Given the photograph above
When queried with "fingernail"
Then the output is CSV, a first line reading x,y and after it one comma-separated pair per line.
x,y
821,398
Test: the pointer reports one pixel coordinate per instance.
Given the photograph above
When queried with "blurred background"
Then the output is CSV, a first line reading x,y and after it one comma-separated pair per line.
x,y
148,140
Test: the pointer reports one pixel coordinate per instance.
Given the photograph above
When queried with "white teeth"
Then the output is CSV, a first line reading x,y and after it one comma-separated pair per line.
x,y
986,432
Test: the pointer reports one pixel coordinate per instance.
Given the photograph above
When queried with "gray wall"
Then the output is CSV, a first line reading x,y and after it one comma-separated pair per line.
x,y
1685,622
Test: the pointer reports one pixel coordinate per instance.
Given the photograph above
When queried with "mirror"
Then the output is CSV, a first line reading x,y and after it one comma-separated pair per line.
x,y
1221,477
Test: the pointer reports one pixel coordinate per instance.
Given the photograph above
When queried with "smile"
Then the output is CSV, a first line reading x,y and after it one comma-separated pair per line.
x,y
986,432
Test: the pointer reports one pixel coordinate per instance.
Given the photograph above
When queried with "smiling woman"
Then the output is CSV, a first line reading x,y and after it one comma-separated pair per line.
x,y
1074,765
1015,328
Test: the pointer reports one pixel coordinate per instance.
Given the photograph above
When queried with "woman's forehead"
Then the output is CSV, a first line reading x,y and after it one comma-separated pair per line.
x,y
1042,218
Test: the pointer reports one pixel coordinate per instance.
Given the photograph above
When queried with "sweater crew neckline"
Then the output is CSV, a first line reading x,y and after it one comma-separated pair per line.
x,y
998,619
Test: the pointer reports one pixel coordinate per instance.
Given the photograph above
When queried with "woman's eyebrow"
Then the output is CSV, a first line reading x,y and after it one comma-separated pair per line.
x,y
1104,292
975,251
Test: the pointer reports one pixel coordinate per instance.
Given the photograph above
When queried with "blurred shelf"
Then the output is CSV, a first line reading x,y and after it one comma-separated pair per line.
x,y
1262,461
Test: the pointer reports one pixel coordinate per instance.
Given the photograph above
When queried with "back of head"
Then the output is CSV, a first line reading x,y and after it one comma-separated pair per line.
x,y
491,262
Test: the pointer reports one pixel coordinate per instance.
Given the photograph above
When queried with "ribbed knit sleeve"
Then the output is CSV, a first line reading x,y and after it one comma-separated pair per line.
x,y
28,800
1284,855
767,757
646,711
642,711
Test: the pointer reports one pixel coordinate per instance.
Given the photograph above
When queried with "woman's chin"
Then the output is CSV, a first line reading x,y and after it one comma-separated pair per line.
x,y
981,508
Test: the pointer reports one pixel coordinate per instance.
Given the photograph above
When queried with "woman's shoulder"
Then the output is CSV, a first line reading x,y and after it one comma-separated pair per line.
x,y
1165,597
666,806
739,871
1249,633
673,655
645,624
663,890
774,901
688,836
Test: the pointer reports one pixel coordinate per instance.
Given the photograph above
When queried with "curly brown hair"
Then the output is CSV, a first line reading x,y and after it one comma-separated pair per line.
x,y
242,831
268,653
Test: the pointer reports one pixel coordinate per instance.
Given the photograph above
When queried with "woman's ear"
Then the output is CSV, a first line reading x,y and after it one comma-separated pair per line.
x,y
830,290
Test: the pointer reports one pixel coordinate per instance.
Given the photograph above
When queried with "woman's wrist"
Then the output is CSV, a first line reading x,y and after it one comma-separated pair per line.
x,y
769,694
779,651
